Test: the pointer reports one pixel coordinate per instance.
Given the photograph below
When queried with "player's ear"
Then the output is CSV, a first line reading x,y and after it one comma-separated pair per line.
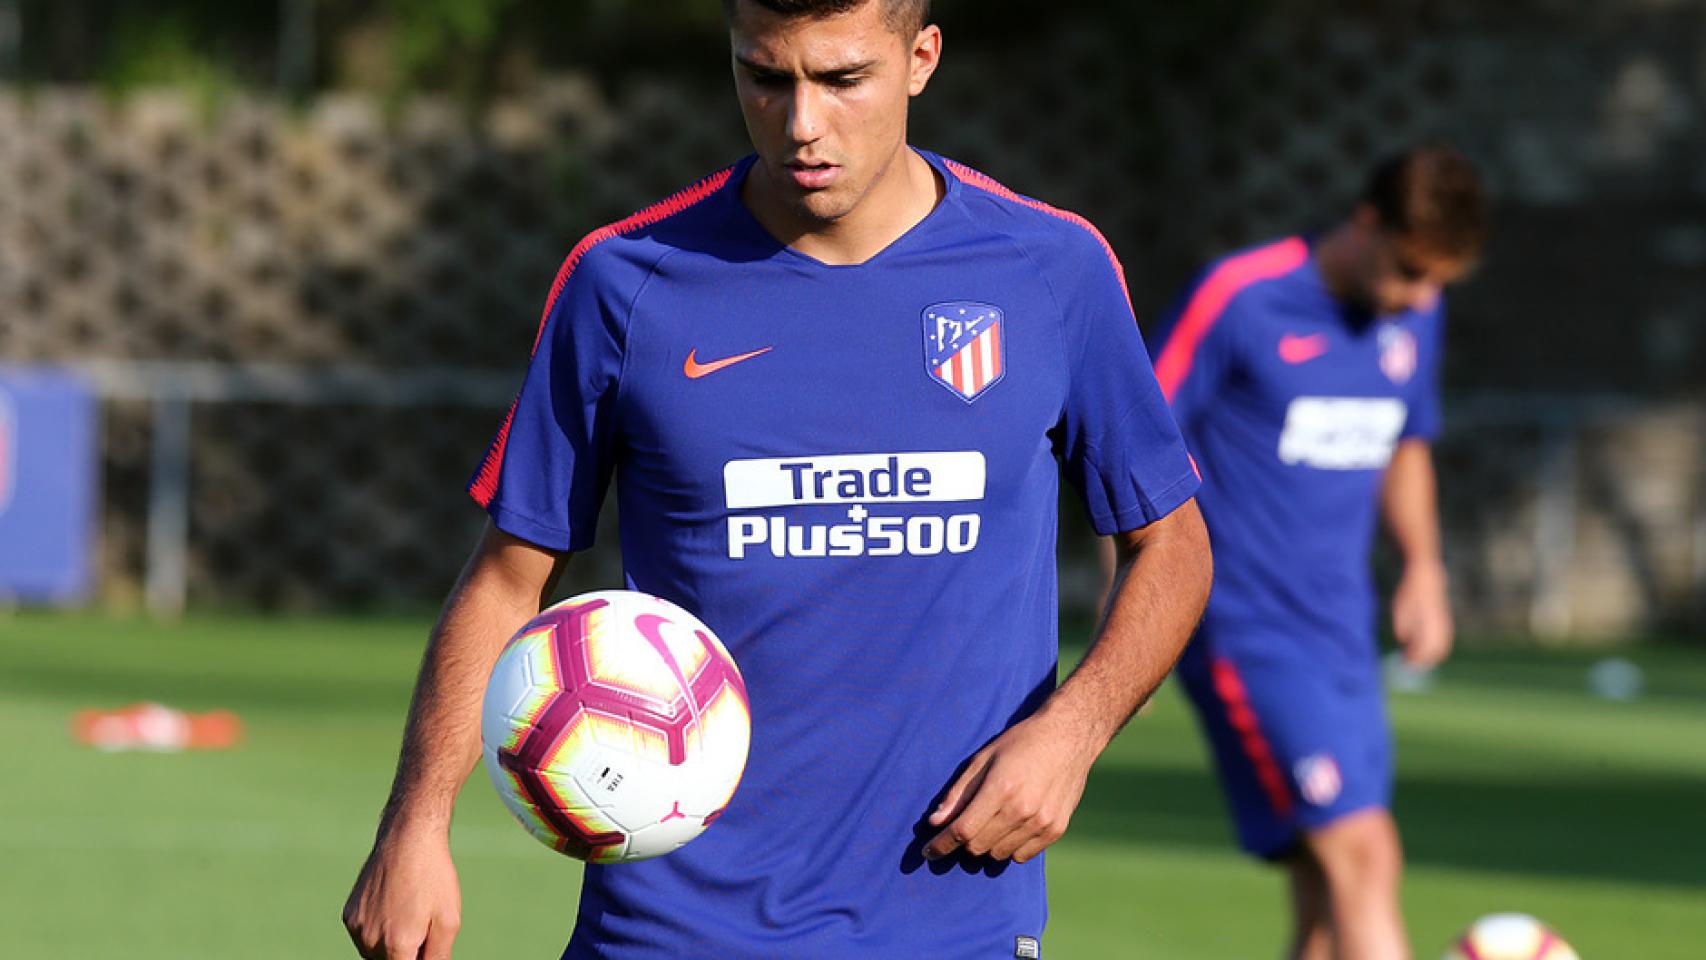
x,y
926,53
1366,217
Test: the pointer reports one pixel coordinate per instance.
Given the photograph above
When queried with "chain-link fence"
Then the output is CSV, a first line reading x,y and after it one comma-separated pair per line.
x,y
342,243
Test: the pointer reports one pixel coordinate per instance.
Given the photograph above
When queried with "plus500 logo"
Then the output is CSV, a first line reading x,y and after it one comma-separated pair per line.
x,y
861,481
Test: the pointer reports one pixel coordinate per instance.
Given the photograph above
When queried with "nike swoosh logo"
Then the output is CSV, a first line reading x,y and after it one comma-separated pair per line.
x,y
1294,349
694,369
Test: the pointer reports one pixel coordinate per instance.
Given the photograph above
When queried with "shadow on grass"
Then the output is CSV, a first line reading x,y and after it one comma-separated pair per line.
x,y
1620,826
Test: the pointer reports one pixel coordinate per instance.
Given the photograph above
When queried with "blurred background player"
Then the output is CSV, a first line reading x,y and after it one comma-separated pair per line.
x,y
747,351
1303,374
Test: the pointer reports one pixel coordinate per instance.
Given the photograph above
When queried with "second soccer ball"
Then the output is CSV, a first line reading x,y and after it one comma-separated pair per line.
x,y
1509,936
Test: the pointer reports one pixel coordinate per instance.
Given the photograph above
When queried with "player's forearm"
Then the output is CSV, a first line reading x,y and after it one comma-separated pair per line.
x,y
441,740
1161,585
1410,504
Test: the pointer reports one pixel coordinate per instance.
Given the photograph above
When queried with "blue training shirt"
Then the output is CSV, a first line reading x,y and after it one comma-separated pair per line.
x,y
1292,404
850,474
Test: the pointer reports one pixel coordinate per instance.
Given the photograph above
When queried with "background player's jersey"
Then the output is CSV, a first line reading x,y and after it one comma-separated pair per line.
x,y
850,473
1292,404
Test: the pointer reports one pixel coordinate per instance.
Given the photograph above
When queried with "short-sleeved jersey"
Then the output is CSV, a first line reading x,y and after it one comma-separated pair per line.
x,y
1292,403
850,473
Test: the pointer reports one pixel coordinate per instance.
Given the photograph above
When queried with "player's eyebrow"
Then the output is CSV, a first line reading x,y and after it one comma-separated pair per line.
x,y
833,73
837,73
758,68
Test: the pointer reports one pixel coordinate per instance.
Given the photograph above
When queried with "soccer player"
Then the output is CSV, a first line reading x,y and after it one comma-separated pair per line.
x,y
836,384
1303,374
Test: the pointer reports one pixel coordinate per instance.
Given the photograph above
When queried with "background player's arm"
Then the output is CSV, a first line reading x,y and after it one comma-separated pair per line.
x,y
406,901
1421,607
1016,795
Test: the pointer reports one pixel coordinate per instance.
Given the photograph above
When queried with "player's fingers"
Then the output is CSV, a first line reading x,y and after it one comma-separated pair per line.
x,y
1420,655
964,786
983,821
1018,816
1024,830
971,831
1403,627
405,944
1037,844
367,942
963,828
1425,645
1416,643
1439,645
439,938
1035,827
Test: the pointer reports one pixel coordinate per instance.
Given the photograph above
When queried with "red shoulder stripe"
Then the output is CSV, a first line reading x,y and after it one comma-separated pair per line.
x,y
485,485
1211,298
984,182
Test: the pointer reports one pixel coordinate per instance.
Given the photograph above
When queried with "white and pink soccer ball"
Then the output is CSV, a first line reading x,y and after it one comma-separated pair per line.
x,y
1510,936
615,726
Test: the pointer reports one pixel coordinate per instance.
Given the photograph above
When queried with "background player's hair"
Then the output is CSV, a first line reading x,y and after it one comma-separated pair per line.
x,y
906,17
1431,195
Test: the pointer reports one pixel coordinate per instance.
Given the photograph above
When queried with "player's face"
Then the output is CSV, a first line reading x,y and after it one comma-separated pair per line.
x,y
825,101
1399,274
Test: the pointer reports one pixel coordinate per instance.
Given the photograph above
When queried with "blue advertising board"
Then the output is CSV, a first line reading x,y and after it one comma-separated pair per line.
x,y
48,485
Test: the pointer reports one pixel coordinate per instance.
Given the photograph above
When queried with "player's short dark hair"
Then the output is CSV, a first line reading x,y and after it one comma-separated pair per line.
x,y
1432,196
905,17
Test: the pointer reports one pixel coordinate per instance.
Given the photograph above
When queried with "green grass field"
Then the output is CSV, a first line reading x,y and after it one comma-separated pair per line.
x,y
1518,791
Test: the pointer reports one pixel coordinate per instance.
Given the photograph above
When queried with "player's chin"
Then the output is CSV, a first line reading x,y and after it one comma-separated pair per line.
x,y
824,206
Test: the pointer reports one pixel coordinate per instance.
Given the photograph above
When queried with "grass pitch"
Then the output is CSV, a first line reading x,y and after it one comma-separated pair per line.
x,y
1517,791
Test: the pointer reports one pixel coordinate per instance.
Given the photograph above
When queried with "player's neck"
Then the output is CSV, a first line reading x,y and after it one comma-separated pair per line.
x,y
901,196
1334,254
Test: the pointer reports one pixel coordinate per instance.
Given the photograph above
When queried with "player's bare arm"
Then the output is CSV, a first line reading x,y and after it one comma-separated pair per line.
x,y
1017,795
1421,607
406,901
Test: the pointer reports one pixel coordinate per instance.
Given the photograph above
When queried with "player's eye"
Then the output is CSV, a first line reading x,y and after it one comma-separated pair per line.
x,y
767,80
845,82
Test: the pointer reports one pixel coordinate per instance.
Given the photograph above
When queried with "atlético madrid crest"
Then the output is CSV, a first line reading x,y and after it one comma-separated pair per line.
x,y
1397,353
1318,779
965,346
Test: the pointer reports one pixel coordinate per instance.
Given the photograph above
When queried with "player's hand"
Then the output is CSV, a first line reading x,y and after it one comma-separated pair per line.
x,y
407,904
1016,795
1421,615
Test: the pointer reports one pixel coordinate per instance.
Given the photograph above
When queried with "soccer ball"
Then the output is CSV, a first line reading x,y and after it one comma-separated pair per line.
x,y
615,726
1510,936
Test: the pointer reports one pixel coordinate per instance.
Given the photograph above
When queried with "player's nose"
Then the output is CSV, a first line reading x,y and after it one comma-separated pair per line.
x,y
1423,296
805,114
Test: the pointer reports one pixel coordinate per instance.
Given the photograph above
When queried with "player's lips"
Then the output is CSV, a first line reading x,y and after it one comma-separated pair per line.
x,y
812,176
